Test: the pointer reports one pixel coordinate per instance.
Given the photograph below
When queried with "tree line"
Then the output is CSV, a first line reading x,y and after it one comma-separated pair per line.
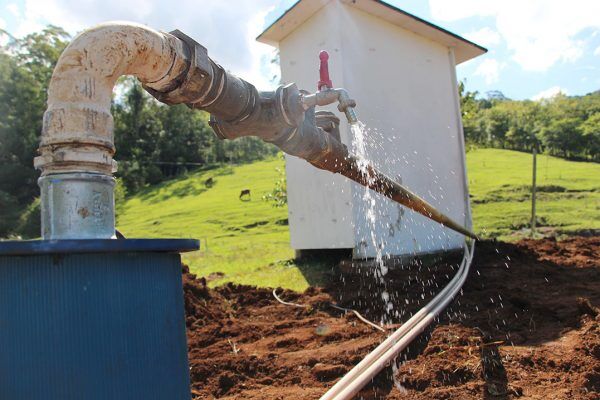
x,y
564,126
154,142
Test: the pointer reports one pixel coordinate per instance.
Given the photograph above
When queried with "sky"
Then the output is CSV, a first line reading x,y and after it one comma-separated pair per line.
x,y
537,48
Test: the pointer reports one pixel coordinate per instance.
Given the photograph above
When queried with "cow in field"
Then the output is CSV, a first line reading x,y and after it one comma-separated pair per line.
x,y
245,195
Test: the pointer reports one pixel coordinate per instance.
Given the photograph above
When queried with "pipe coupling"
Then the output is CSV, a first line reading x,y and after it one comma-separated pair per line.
x,y
271,114
196,81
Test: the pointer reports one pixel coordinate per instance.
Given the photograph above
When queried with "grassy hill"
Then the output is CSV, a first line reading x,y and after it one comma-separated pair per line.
x,y
248,241
500,186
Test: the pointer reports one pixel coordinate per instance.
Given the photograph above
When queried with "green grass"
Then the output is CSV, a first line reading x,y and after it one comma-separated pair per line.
x,y
500,184
248,241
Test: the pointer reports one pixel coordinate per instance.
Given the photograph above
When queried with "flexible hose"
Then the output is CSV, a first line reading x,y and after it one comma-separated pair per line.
x,y
375,361
374,179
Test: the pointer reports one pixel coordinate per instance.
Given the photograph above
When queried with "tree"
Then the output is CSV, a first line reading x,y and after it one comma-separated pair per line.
x,y
564,126
471,115
25,69
563,137
137,134
590,131
523,124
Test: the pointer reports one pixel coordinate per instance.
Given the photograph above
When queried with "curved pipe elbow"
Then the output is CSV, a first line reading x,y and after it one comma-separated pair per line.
x,y
77,132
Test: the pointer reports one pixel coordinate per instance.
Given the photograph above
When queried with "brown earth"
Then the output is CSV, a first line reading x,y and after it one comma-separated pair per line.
x,y
526,325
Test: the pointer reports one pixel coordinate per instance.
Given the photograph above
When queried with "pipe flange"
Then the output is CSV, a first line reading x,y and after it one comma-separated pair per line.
x,y
289,104
198,78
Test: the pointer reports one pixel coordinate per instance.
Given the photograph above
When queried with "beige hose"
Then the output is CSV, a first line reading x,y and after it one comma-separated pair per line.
x,y
374,362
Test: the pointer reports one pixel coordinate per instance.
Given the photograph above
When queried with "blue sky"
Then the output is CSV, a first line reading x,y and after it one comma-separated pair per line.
x,y
536,47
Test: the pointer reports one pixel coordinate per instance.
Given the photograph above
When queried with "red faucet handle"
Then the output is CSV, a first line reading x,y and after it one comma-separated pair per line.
x,y
324,80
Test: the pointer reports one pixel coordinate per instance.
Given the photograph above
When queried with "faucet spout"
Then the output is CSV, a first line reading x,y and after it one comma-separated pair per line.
x,y
330,96
327,95
351,115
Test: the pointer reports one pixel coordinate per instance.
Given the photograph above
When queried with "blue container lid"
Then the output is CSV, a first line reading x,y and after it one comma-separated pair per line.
x,y
78,246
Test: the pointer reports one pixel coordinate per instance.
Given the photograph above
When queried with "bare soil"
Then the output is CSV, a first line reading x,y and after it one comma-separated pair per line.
x,y
527,325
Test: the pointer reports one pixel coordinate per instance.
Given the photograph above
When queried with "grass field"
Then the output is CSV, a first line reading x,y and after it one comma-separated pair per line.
x,y
500,185
248,241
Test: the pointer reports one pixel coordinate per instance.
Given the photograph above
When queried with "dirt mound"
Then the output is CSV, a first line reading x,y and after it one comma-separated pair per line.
x,y
526,325
574,251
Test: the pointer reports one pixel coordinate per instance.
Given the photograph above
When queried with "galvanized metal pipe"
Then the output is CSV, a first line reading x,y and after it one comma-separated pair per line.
x,y
77,148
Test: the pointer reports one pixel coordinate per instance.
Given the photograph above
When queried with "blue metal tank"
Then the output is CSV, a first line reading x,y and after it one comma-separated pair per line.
x,y
93,319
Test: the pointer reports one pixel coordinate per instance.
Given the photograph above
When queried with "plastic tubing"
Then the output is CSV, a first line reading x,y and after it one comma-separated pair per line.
x,y
374,362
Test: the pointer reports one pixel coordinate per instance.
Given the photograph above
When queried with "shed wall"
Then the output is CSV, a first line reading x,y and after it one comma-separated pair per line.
x,y
319,203
405,88
405,91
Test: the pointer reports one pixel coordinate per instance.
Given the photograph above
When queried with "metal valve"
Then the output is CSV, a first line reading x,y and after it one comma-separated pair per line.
x,y
326,94
324,80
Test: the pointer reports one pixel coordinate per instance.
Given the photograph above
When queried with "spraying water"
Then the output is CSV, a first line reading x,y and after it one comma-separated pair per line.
x,y
369,201
360,148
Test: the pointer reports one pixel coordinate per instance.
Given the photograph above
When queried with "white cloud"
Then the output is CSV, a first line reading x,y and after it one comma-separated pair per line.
x,y
227,29
549,93
486,37
3,37
458,9
597,51
489,69
539,33
14,9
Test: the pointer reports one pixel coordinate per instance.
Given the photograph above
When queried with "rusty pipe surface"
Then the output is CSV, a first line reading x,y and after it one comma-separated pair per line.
x,y
370,177
76,148
338,160
77,133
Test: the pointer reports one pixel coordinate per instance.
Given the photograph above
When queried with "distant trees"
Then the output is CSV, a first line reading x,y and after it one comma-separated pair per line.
x,y
155,142
563,126
590,130
25,69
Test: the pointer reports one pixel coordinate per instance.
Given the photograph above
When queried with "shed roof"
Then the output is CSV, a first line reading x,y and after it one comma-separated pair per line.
x,y
302,10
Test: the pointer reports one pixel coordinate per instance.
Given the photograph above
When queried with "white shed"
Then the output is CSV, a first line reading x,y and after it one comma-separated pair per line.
x,y
401,71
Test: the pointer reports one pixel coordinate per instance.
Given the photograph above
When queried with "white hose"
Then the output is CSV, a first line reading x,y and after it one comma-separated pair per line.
x,y
374,362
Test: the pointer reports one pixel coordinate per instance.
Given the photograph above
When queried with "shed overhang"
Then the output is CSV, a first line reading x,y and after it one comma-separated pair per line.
x,y
302,10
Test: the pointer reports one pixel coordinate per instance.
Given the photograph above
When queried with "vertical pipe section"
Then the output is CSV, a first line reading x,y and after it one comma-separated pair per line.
x,y
76,148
